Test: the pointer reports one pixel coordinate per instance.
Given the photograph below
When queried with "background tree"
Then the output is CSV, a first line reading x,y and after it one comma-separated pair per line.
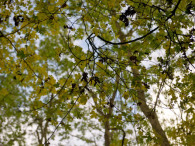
x,y
99,60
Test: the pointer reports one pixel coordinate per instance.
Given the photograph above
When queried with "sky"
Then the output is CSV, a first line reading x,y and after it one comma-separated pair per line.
x,y
75,141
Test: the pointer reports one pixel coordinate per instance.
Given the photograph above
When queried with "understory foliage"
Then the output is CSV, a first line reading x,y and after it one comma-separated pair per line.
x,y
112,72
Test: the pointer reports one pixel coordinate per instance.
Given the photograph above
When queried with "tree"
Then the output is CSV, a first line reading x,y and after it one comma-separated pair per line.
x,y
114,80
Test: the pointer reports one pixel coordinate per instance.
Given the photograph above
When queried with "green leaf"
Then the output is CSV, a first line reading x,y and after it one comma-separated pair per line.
x,y
21,54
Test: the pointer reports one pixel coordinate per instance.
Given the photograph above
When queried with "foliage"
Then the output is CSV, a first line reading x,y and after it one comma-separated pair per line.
x,y
94,66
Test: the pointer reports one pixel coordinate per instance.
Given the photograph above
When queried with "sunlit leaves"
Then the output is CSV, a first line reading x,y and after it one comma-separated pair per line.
x,y
94,78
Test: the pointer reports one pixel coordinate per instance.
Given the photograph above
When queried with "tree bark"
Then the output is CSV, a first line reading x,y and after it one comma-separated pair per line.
x,y
107,133
151,115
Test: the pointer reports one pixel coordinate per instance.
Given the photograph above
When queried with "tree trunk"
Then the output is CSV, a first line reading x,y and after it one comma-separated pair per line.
x,y
107,133
151,115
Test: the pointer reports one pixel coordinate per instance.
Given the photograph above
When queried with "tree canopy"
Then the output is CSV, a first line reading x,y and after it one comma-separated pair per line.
x,y
112,72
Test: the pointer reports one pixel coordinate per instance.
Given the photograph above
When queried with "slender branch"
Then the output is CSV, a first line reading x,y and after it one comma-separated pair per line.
x,y
158,95
123,43
94,96
124,134
67,113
